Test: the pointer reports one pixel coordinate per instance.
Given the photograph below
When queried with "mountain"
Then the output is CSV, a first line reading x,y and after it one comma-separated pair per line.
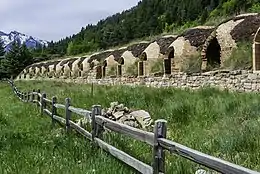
x,y
30,42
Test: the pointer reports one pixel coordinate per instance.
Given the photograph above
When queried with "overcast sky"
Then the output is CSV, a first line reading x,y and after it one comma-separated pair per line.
x,y
55,19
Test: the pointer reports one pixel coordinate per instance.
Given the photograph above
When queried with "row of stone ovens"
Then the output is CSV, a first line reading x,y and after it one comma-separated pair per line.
x,y
120,62
168,53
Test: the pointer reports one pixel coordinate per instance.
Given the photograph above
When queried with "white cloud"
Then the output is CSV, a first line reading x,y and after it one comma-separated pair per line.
x,y
53,20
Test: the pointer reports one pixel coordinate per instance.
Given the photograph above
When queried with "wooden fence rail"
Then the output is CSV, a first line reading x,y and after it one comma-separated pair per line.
x,y
156,139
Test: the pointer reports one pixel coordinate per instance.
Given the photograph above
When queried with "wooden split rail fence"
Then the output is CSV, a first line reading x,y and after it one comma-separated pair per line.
x,y
156,139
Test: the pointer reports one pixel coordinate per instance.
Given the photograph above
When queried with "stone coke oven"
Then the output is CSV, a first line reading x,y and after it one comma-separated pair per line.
x,y
256,51
223,40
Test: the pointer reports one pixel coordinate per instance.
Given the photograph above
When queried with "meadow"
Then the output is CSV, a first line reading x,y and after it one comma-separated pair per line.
x,y
220,123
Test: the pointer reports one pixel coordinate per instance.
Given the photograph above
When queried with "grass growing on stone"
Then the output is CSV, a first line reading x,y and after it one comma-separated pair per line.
x,y
220,123
241,57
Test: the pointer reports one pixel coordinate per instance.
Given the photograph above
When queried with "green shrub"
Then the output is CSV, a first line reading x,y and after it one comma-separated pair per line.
x,y
133,69
241,57
255,8
112,70
192,64
157,66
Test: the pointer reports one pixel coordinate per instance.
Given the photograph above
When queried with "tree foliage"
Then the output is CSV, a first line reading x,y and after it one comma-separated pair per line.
x,y
149,17
2,53
16,60
2,48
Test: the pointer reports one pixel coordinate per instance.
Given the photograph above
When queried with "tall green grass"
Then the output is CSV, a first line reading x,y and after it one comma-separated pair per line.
x,y
220,123
29,145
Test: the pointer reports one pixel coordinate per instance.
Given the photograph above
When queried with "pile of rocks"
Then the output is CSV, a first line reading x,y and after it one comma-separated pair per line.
x,y
119,113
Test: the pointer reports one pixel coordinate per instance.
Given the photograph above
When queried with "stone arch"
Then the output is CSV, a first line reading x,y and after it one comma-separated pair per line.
x,y
98,72
41,69
62,71
91,65
257,36
121,62
256,51
70,67
80,66
34,70
213,53
104,69
141,67
168,63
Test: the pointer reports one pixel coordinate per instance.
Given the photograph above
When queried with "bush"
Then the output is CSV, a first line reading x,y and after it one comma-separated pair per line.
x,y
157,66
241,57
112,70
255,8
133,69
192,64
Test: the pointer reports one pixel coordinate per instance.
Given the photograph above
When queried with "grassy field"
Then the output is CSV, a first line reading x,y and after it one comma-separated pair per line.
x,y
219,123
28,144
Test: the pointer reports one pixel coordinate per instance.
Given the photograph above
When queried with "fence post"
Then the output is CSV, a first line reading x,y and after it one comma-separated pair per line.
x,y
158,152
96,129
43,102
54,110
38,97
67,114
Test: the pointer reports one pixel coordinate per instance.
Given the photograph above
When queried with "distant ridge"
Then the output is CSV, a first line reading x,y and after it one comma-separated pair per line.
x,y
30,41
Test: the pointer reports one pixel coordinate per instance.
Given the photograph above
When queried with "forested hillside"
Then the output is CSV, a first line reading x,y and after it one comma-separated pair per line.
x,y
149,17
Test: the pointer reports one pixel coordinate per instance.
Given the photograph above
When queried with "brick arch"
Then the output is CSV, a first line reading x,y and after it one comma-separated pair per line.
x,y
211,52
256,51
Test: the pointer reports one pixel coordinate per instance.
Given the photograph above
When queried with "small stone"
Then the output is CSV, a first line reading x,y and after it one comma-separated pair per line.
x,y
118,115
202,171
113,104
119,107
142,117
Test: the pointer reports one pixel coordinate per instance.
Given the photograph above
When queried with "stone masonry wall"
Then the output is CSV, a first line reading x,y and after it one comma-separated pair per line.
x,y
240,80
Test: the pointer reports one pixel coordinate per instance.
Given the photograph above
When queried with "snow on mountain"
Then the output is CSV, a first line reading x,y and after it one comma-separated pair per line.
x,y
30,42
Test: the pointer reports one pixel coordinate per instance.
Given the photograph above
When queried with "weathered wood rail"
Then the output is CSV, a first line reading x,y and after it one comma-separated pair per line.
x,y
156,139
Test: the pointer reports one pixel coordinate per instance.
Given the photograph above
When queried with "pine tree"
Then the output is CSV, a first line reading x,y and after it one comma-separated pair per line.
x,y
17,59
70,48
2,53
25,56
2,48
